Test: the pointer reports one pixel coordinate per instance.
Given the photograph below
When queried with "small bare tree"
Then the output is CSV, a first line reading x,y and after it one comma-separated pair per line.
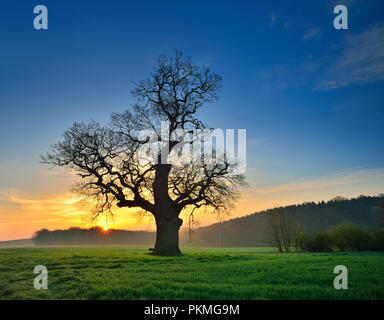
x,y
281,229
110,162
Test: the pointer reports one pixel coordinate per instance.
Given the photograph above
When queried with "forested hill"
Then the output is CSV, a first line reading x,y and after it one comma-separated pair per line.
x,y
249,230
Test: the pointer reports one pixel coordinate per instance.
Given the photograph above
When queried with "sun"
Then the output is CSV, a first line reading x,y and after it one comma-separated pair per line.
x,y
105,228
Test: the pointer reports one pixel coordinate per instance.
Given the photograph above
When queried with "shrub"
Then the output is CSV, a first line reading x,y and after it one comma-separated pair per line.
x,y
320,242
377,236
300,241
347,237
344,237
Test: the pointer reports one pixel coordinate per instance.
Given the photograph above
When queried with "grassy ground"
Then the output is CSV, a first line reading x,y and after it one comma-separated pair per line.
x,y
241,273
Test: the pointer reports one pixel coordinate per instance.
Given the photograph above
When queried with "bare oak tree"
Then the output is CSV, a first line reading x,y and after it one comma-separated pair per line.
x,y
110,162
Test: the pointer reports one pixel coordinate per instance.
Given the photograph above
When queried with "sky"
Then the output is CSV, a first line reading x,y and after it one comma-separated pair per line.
x,y
310,96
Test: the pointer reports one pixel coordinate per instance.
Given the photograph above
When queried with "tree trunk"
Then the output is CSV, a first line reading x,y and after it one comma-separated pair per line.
x,y
167,237
166,215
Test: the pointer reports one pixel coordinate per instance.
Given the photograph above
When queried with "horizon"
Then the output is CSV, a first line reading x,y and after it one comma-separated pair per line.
x,y
309,96
184,228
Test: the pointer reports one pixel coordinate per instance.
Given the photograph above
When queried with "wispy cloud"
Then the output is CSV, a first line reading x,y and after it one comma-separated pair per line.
x,y
63,205
311,32
362,60
357,59
345,178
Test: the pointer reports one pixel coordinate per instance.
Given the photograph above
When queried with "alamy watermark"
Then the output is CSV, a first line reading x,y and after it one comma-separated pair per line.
x,y
41,281
341,20
197,146
341,280
41,20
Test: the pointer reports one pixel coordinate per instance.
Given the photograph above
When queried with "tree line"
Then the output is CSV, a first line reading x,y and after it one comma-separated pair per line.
x,y
343,237
92,236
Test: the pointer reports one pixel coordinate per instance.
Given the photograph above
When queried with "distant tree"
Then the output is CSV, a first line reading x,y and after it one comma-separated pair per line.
x,y
339,199
192,223
109,162
281,229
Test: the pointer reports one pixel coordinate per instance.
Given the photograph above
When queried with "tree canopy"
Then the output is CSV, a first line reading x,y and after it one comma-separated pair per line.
x,y
139,159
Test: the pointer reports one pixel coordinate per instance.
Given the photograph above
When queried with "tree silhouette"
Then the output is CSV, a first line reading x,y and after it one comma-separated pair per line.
x,y
161,180
281,229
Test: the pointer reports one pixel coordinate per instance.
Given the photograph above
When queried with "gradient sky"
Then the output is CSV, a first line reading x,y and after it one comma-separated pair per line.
x,y
311,97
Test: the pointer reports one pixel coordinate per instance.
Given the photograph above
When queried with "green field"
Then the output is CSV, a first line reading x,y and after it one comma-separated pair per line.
x,y
238,273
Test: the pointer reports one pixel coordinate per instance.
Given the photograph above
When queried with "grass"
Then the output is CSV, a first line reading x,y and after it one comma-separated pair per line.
x,y
236,273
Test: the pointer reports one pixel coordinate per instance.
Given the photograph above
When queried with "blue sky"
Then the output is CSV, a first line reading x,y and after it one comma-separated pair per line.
x,y
310,96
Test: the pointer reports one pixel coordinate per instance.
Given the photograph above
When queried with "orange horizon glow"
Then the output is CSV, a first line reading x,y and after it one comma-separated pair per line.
x,y
23,213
